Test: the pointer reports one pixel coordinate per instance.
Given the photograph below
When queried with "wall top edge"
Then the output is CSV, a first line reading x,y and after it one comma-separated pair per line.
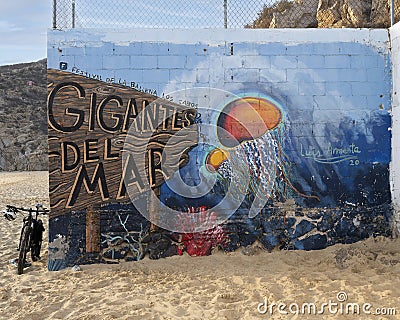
x,y
395,26
376,37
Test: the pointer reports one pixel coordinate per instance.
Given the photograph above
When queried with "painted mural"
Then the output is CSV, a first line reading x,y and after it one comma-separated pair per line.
x,y
197,148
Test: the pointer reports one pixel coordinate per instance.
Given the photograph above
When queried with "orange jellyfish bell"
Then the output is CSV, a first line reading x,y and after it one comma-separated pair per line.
x,y
215,158
247,119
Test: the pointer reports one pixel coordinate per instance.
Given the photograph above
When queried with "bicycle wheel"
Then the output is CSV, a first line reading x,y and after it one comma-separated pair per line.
x,y
23,247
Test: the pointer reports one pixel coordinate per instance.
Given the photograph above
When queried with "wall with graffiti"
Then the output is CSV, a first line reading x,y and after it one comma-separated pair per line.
x,y
161,143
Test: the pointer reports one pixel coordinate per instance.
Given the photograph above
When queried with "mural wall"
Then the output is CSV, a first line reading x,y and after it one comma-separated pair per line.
x,y
162,144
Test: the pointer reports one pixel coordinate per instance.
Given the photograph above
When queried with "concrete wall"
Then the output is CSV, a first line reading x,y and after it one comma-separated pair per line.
x,y
395,176
318,176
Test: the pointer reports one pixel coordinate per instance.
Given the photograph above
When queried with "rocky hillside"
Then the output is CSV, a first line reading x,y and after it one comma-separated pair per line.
x,y
327,14
23,124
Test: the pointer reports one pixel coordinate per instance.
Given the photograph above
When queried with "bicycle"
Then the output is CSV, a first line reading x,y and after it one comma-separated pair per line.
x,y
31,233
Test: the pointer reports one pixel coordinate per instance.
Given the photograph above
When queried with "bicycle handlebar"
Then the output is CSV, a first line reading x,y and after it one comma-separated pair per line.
x,y
37,210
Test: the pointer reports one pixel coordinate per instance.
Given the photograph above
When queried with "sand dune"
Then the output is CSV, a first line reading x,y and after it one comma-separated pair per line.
x,y
221,286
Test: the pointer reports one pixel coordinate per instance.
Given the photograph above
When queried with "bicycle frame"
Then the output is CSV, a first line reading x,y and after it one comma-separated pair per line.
x,y
25,239
27,221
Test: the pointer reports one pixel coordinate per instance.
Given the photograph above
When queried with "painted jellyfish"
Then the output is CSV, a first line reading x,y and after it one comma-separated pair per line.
x,y
251,129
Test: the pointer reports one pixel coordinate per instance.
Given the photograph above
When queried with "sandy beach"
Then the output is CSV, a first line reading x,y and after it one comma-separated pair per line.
x,y
221,286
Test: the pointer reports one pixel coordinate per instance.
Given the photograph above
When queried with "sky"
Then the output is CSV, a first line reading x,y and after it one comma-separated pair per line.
x,y
23,28
162,13
24,23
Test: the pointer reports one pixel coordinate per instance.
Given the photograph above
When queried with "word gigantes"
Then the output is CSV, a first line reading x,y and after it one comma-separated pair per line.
x,y
145,121
86,120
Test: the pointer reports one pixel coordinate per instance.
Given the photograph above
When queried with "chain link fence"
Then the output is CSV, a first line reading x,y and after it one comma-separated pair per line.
x,y
225,13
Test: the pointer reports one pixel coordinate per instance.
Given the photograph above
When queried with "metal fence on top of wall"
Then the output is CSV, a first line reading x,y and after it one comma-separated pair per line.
x,y
225,13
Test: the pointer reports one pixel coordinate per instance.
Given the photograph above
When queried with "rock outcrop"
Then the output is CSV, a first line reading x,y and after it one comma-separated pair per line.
x,y
23,124
301,15
327,14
